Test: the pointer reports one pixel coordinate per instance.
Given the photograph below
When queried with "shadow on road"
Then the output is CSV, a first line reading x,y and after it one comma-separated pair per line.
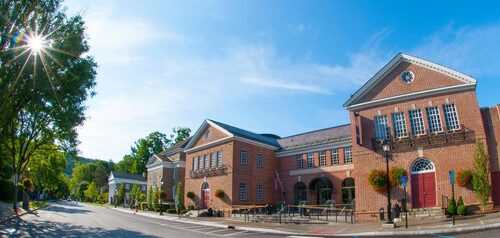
x,y
55,208
56,229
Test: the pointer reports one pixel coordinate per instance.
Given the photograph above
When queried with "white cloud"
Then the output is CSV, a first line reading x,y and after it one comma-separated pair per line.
x,y
284,85
472,50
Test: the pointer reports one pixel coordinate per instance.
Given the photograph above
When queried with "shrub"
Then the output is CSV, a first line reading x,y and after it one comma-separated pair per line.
x,y
219,193
28,184
461,209
464,178
460,201
190,194
395,175
163,195
452,207
378,180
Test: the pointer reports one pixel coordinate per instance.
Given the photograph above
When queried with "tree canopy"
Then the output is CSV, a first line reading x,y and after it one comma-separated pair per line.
x,y
42,88
46,168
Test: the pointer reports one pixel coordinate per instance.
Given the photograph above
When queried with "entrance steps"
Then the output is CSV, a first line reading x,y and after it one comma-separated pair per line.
x,y
427,213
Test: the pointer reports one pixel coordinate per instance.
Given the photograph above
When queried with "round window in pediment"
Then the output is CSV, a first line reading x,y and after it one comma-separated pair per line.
x,y
407,77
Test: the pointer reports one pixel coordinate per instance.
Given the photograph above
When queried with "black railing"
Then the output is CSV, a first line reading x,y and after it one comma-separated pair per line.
x,y
429,139
212,171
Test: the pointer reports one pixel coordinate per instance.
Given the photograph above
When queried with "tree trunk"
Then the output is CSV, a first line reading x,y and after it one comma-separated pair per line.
x,y
14,198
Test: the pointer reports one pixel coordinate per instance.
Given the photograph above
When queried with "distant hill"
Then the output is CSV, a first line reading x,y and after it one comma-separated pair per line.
x,y
72,162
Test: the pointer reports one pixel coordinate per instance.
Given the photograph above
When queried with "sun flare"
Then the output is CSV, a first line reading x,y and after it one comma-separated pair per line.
x,y
35,43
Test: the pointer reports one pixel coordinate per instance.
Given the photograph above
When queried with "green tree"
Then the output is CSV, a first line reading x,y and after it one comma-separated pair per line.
x,y
150,197
121,193
81,173
42,92
480,183
92,192
179,134
179,196
46,167
125,165
135,192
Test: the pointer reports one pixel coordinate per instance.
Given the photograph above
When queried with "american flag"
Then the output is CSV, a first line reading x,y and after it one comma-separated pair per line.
x,y
277,181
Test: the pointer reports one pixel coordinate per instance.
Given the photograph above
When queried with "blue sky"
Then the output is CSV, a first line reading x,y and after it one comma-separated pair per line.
x,y
281,67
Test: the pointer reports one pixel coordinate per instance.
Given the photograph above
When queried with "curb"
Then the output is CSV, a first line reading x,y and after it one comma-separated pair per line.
x,y
22,214
448,230
212,224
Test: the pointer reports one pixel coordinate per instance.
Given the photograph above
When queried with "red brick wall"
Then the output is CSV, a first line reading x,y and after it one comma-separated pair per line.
x,y
444,158
425,79
215,182
287,164
491,120
252,175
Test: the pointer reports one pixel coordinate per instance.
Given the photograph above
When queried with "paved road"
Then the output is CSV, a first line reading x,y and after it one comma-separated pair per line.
x,y
67,219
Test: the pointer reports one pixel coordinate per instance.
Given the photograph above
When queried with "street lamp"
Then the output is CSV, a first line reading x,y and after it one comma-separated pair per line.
x,y
386,147
159,195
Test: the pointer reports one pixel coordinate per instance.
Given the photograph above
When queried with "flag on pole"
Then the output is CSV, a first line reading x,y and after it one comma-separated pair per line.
x,y
277,182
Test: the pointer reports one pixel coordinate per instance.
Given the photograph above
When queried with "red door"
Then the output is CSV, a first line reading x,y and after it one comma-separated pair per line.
x,y
423,189
495,187
206,198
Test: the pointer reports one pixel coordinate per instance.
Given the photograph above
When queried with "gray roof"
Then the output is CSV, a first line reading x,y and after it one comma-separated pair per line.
x,y
315,138
122,175
268,140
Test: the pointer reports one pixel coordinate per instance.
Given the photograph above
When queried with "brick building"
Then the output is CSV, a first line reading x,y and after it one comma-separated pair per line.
x,y
168,167
427,113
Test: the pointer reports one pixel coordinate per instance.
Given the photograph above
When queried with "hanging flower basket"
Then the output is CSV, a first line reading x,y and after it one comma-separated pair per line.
x,y
395,175
220,193
190,194
464,178
378,180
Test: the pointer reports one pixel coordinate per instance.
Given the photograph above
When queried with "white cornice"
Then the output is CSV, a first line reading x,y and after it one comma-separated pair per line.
x,y
255,143
213,143
333,168
163,164
314,148
413,60
200,130
431,92
131,181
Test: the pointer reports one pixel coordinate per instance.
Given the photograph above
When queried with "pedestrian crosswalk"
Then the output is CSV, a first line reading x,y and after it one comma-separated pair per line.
x,y
210,231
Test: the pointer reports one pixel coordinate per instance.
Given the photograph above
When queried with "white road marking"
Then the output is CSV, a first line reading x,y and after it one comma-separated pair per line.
x,y
236,233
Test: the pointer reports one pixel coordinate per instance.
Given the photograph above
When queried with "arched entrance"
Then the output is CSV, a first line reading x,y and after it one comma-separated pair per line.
x,y
348,194
322,188
423,183
205,196
300,193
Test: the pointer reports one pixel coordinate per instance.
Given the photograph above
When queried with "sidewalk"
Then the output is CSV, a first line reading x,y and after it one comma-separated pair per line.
x,y
428,226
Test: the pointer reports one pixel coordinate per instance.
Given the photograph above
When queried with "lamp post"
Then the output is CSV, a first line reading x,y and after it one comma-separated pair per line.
x,y
386,147
159,195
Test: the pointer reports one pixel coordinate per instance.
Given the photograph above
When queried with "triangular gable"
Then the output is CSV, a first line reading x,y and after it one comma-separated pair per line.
x,y
154,159
111,177
360,96
201,131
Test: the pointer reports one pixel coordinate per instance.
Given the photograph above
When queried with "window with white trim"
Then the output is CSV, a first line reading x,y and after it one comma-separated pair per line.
x,y
347,154
243,192
451,117
243,157
205,161
174,173
381,127
335,156
219,158
417,122
212,160
260,192
399,123
195,164
310,160
260,160
299,163
434,119
322,158
200,166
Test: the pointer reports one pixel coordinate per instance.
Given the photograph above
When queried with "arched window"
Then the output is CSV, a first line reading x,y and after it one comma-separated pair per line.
x,y
422,165
348,192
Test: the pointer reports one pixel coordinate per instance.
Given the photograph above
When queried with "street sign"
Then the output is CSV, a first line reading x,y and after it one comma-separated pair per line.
x,y
452,176
404,180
